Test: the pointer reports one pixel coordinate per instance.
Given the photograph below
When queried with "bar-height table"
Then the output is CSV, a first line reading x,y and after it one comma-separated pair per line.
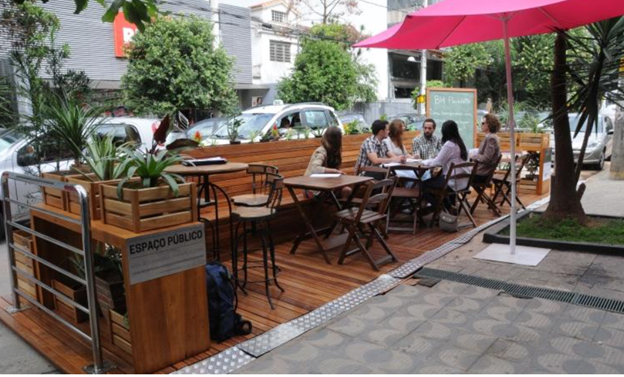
x,y
203,173
326,185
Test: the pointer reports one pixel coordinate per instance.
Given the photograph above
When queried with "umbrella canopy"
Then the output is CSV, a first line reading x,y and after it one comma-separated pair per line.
x,y
457,22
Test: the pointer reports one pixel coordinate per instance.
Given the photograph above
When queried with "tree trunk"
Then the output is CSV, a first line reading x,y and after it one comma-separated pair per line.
x,y
564,201
617,158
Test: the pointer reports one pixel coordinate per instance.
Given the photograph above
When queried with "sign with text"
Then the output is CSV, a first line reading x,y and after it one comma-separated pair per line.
x,y
154,256
123,31
459,105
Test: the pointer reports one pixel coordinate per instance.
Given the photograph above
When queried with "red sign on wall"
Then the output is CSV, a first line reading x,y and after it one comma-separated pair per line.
x,y
123,32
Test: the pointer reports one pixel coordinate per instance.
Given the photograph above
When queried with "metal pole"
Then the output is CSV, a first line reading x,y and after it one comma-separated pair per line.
x,y
98,363
8,231
423,73
512,141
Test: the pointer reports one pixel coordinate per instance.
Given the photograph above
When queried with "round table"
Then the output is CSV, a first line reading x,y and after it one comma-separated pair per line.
x,y
203,173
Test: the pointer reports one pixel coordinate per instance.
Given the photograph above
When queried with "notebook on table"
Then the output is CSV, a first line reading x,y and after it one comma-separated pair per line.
x,y
205,161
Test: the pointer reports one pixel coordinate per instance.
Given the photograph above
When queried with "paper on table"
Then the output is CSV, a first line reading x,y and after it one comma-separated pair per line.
x,y
413,160
390,164
334,175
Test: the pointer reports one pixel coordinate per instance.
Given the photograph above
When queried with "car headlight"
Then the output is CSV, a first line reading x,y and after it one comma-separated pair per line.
x,y
592,145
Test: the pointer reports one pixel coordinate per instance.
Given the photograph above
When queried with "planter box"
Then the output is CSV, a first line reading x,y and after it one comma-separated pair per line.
x,y
93,191
111,294
24,240
54,197
493,236
76,292
120,332
524,141
146,209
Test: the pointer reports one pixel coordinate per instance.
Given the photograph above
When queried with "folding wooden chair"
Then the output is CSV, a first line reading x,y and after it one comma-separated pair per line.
x,y
503,183
455,174
259,186
407,190
356,220
482,196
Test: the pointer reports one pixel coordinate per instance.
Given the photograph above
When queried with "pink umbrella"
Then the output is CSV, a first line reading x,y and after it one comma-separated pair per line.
x,y
456,22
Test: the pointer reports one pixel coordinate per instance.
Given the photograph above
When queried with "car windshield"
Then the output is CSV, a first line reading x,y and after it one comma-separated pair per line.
x,y
574,120
249,124
9,138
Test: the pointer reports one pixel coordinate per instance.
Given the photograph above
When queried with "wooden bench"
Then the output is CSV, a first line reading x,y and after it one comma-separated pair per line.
x,y
292,158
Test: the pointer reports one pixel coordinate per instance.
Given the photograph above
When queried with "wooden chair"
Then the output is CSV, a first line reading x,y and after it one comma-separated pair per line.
x,y
259,218
408,189
356,220
259,186
455,173
502,183
481,187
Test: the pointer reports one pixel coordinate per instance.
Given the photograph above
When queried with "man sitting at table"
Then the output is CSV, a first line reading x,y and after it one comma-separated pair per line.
x,y
427,145
374,152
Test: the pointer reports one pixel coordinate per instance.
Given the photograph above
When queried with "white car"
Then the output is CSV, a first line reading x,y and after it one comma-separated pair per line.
x,y
260,120
16,155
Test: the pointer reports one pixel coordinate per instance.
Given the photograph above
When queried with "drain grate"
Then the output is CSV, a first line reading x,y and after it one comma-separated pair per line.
x,y
517,290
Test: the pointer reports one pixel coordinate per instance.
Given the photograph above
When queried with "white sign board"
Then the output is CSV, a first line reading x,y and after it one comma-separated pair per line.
x,y
154,256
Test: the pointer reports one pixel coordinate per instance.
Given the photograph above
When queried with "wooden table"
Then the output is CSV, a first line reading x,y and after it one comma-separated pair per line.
x,y
327,185
203,173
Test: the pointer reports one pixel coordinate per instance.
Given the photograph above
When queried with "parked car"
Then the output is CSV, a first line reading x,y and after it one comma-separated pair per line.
x,y
260,120
355,117
18,156
600,143
206,127
412,121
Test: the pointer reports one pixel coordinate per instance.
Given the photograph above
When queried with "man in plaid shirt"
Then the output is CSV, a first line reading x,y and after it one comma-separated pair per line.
x,y
373,151
428,145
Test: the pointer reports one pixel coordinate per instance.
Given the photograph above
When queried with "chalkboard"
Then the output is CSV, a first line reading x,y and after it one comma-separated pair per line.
x,y
455,104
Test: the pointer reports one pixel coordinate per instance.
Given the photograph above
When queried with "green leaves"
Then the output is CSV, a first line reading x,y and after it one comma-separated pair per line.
x,y
173,66
150,168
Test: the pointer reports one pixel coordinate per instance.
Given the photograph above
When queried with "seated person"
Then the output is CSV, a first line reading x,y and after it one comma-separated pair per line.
x,y
374,152
427,145
327,158
489,151
394,143
285,123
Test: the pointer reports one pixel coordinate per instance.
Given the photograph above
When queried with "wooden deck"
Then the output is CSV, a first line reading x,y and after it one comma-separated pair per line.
x,y
308,282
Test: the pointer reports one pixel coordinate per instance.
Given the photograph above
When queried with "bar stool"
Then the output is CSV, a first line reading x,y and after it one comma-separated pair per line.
x,y
259,188
259,218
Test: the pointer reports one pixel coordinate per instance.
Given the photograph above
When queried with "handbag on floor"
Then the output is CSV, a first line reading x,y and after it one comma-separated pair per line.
x,y
448,222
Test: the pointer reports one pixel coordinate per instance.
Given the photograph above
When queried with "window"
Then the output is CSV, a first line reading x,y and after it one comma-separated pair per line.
x,y
278,16
280,52
316,119
122,133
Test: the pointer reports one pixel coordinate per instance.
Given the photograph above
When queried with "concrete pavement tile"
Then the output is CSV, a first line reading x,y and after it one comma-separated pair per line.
x,y
506,330
480,294
613,321
438,299
535,320
390,330
466,305
336,365
349,326
447,267
543,306
510,301
421,311
454,357
593,367
325,338
379,357
435,368
451,318
434,330
450,287
414,344
584,314
553,363
471,341
492,365
610,337
508,350
368,312
499,312
269,365
300,352
575,329
572,258
407,292
388,302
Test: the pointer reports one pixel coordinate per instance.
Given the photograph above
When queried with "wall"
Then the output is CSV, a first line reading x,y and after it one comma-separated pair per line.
x,y
236,39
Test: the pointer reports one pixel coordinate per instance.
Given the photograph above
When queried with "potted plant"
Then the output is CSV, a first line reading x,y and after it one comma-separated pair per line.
x,y
102,156
232,130
275,132
253,135
266,137
155,199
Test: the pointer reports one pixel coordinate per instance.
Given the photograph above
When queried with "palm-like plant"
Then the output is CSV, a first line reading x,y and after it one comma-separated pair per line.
x,y
150,167
71,124
102,157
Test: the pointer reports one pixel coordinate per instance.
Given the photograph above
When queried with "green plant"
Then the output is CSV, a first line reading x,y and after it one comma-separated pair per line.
x,y
102,156
232,128
530,121
383,116
352,128
289,134
318,132
307,131
275,132
150,167
71,124
253,135
105,258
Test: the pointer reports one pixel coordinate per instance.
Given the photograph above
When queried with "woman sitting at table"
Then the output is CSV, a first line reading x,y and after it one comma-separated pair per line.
x,y
489,151
453,152
394,141
327,158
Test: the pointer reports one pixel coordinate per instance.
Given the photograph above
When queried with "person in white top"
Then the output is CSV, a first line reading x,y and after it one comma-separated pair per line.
x,y
453,152
394,141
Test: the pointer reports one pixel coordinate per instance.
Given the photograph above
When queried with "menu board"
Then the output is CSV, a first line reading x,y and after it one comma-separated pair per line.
x,y
459,105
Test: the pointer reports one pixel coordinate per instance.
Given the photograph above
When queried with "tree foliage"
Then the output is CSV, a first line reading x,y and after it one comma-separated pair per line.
x,y
328,70
173,66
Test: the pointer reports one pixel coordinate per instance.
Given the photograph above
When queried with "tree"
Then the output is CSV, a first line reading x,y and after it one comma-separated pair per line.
x,y
462,61
327,70
331,11
138,12
173,66
595,70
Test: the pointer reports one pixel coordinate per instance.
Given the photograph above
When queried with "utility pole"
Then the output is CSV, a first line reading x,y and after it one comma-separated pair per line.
x,y
423,73
617,157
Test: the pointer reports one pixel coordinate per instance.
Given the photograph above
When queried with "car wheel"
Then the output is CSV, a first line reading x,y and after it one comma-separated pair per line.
x,y
600,164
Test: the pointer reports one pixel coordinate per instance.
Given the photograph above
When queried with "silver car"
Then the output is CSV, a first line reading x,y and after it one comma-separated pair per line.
x,y
599,145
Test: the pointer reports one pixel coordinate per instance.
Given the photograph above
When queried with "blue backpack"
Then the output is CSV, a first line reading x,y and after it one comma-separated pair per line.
x,y
222,302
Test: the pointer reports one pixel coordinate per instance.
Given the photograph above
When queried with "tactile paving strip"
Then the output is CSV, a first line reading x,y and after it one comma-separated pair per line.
x,y
271,339
222,363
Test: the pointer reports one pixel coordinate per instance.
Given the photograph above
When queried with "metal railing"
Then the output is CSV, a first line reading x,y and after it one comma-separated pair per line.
x,y
99,365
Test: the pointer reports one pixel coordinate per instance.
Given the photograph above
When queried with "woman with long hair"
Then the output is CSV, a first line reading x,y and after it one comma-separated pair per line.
x,y
327,158
394,142
453,152
489,150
